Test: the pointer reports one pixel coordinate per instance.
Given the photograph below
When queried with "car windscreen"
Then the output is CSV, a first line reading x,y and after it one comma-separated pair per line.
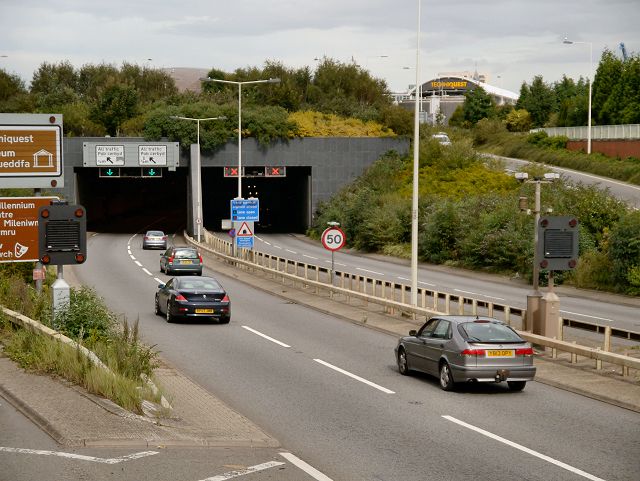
x,y
488,332
186,254
155,233
200,284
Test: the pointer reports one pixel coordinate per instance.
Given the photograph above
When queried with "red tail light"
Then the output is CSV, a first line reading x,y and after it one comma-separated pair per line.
x,y
525,351
180,297
200,259
225,298
146,237
473,352
171,260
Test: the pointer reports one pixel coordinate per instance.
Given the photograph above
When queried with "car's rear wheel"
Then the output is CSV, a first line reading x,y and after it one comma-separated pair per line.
x,y
169,316
516,385
157,307
446,379
403,364
225,320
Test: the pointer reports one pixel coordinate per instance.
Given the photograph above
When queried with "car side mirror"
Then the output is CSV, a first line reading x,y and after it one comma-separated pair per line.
x,y
413,332
161,286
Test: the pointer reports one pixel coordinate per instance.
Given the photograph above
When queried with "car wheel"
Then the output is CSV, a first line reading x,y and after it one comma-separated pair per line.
x,y
446,379
169,316
403,364
516,385
199,273
224,320
161,268
157,307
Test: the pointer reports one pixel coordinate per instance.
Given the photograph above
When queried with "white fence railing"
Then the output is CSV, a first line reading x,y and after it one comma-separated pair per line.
x,y
598,132
394,297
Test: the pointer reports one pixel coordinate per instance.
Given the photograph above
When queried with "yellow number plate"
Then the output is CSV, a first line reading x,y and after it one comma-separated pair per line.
x,y
204,311
500,353
185,262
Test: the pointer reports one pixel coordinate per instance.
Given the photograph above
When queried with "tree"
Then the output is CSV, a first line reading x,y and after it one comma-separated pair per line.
x,y
52,77
117,104
518,121
606,91
13,94
538,99
478,105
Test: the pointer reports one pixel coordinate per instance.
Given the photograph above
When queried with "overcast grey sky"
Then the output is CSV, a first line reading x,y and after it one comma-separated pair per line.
x,y
510,40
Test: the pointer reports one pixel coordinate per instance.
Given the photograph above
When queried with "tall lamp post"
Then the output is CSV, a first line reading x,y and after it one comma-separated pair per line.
x,y
240,84
571,42
416,172
198,166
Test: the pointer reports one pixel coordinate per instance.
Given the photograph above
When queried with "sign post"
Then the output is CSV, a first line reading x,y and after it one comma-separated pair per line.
x,y
333,239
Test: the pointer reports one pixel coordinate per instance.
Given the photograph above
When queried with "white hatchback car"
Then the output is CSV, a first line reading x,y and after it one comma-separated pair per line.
x,y
442,137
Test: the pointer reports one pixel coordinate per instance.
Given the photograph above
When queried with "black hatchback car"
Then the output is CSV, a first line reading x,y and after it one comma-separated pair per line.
x,y
193,298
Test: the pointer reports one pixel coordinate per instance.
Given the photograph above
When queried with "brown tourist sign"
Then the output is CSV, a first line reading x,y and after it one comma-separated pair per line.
x,y
19,227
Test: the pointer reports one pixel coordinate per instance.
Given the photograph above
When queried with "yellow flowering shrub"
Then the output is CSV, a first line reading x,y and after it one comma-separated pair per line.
x,y
317,124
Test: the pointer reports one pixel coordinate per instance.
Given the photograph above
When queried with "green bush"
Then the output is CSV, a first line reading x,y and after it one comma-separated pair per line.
x,y
87,316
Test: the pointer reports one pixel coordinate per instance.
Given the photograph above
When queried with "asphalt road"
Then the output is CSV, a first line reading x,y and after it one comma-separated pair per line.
x,y
329,391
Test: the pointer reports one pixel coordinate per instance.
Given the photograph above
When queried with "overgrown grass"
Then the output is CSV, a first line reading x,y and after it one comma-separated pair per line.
x,y
90,323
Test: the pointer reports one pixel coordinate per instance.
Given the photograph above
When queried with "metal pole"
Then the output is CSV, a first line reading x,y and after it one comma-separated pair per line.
x,y
332,268
416,172
590,89
199,181
38,193
239,141
536,212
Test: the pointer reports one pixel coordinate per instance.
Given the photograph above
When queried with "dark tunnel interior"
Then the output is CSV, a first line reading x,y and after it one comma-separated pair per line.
x,y
134,204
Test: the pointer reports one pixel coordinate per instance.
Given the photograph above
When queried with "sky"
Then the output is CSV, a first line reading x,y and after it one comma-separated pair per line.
x,y
511,41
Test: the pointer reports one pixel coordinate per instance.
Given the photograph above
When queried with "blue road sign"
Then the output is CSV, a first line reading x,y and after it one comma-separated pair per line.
x,y
246,242
245,210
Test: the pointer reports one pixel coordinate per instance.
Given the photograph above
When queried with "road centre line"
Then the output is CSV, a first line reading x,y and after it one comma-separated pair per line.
x,y
370,272
131,255
138,264
310,257
159,281
266,337
478,294
277,247
144,269
80,457
353,376
524,449
427,284
586,315
292,252
310,470
242,472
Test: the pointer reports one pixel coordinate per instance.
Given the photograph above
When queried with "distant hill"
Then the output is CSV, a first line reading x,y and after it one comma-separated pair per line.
x,y
187,78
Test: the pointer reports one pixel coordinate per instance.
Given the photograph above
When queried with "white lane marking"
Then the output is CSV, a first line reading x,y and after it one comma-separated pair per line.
x,y
80,457
293,252
586,315
310,470
478,294
524,449
128,251
310,257
605,181
144,269
131,255
337,263
138,264
159,281
277,247
419,282
94,234
266,337
242,472
353,376
370,272
268,243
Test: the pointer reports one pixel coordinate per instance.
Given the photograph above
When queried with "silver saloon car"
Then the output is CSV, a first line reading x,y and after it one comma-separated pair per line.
x,y
154,239
460,349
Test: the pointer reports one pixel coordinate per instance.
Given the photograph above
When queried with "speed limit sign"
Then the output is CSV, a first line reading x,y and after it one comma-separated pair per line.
x,y
333,239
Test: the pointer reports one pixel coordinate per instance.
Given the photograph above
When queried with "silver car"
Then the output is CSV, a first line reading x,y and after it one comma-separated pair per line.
x,y
467,349
154,239
181,260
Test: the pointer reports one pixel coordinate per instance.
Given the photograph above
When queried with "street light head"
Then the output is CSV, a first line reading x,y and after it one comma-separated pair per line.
x,y
521,176
567,41
274,81
551,176
333,223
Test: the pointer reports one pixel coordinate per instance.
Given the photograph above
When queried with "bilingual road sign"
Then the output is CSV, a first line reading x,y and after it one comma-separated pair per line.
x,y
244,235
109,155
19,227
149,155
31,150
244,242
245,210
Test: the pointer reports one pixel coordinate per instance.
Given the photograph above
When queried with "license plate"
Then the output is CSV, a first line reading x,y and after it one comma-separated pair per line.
x,y
500,353
185,262
204,311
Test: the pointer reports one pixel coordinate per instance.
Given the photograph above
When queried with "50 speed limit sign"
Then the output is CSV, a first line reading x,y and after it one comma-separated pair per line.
x,y
333,238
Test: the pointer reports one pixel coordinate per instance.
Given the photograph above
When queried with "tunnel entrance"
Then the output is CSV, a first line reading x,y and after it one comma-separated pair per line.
x,y
129,204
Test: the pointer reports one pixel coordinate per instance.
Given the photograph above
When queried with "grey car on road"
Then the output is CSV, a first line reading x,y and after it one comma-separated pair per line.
x,y
460,349
181,260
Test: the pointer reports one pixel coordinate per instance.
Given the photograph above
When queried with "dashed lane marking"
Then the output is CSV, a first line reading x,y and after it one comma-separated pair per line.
x,y
370,272
266,337
310,470
586,315
242,472
147,271
524,449
138,263
479,294
353,376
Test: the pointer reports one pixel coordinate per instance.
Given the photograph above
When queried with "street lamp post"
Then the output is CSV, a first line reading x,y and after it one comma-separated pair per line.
x,y
416,172
240,84
570,42
198,167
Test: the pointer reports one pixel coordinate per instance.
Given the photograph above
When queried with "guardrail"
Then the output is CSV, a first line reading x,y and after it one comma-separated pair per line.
x,y
392,297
